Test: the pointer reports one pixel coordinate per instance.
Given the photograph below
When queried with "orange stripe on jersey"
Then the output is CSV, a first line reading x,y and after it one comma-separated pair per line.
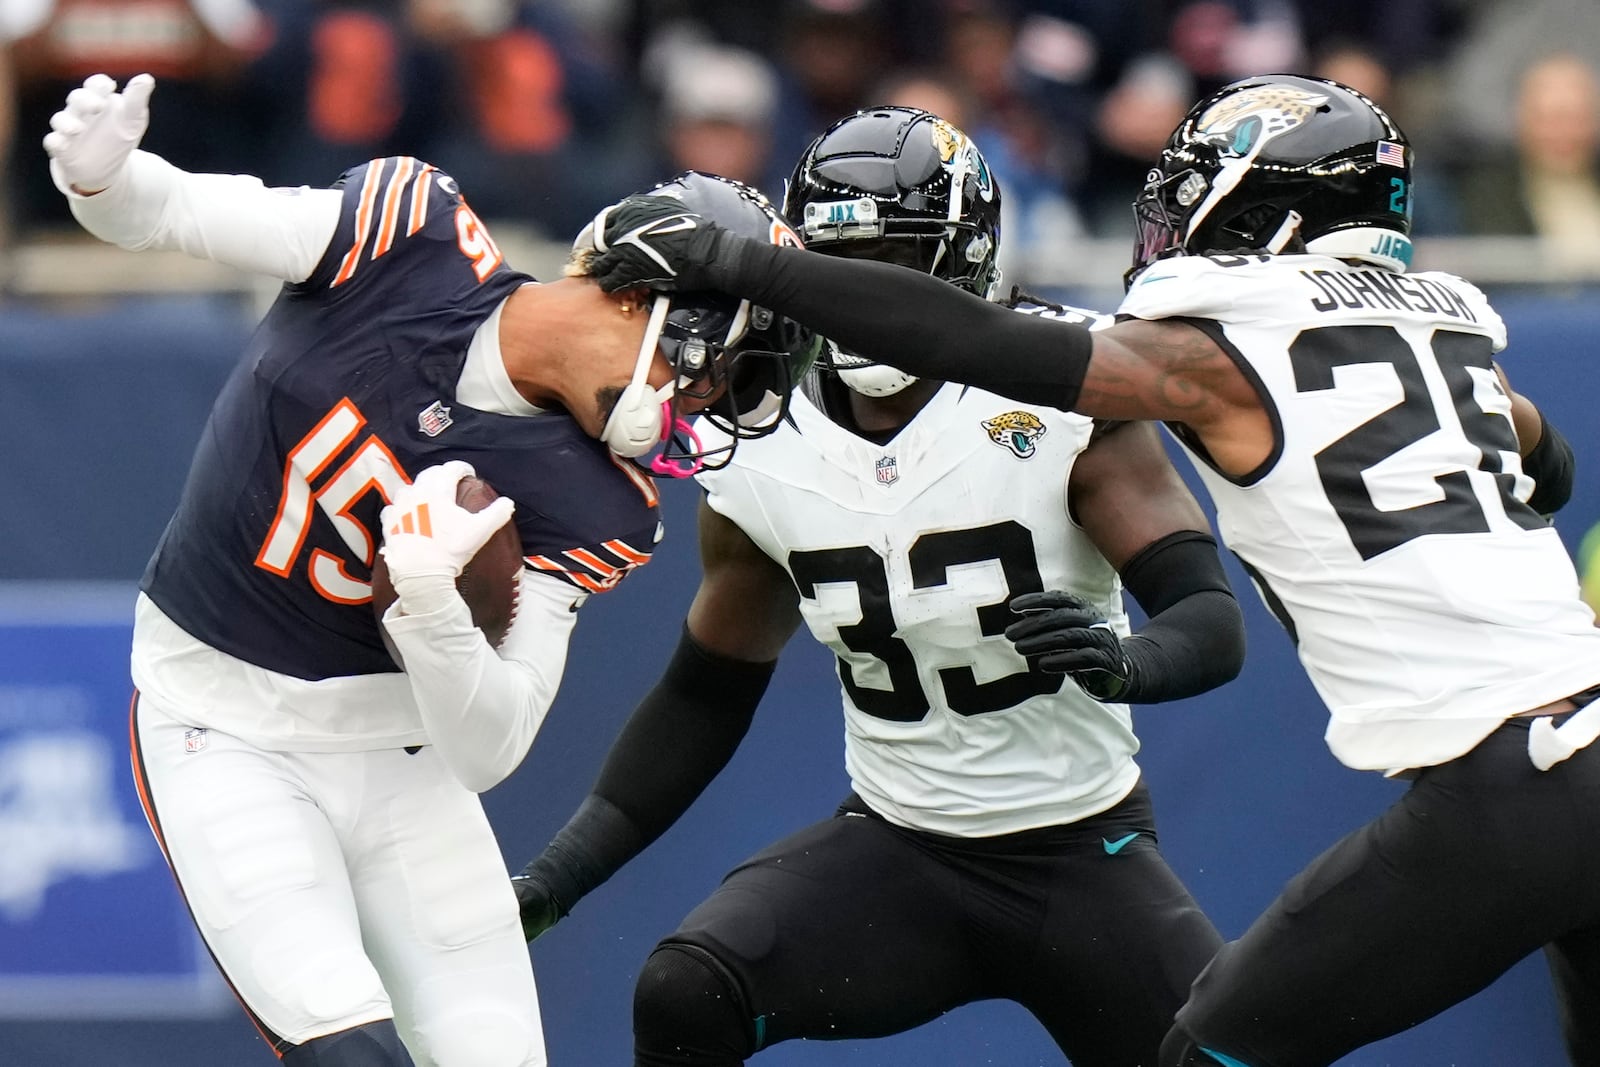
x,y
364,211
545,563
391,206
419,198
642,481
627,552
605,570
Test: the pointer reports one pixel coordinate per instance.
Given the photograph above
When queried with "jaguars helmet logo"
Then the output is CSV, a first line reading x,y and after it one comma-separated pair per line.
x,y
1248,119
960,157
1016,431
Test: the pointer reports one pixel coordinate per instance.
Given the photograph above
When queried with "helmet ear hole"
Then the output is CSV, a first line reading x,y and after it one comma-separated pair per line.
x,y
1255,221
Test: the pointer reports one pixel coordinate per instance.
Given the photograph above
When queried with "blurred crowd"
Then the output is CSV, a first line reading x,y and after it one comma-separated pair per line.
x,y
545,110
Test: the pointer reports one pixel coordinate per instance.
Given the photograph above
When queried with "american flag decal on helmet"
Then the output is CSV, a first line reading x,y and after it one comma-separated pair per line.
x,y
1392,154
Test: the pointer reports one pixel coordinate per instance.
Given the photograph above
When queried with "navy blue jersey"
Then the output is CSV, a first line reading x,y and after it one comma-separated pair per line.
x,y
346,391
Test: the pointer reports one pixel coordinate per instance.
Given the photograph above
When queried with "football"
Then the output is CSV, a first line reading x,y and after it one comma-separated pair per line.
x,y
489,582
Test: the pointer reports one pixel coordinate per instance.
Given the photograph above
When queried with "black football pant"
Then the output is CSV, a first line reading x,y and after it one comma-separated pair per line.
x,y
1484,860
856,928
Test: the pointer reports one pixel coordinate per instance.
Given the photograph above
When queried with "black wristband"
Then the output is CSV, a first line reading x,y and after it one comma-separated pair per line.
x,y
1552,467
911,320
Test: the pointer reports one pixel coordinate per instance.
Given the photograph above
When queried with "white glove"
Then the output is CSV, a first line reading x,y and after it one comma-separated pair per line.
x,y
91,138
428,538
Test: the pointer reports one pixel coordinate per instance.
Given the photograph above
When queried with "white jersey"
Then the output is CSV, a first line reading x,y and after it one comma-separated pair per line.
x,y
1389,528
905,556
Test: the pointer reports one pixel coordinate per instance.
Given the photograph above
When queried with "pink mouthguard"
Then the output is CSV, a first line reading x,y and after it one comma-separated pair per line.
x,y
683,468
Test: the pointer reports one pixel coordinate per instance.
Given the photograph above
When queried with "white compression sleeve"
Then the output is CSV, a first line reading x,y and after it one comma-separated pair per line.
x,y
232,219
482,709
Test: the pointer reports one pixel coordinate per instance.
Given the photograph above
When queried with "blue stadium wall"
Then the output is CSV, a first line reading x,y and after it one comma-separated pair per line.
x,y
98,963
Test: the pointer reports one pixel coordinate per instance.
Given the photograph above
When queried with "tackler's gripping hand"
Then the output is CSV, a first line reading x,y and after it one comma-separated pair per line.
x,y
428,536
1065,634
91,138
537,904
651,242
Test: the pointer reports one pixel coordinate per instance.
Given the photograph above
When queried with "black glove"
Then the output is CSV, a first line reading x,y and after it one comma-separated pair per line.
x,y
539,907
1065,634
651,242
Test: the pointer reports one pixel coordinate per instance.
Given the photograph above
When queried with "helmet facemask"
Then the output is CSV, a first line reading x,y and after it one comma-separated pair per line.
x,y
753,373
741,361
1160,216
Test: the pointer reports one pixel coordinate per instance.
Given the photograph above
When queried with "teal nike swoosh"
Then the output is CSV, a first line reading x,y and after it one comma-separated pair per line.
x,y
1113,847
1226,1061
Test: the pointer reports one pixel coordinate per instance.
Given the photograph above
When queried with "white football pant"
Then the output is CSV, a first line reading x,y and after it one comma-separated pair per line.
x,y
339,888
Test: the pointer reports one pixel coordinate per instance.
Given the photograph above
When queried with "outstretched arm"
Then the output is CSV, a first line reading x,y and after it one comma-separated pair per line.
x,y
911,320
683,732
139,201
1137,511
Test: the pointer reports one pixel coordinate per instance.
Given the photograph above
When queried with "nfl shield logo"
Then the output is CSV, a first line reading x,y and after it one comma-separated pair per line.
x,y
888,470
194,740
434,419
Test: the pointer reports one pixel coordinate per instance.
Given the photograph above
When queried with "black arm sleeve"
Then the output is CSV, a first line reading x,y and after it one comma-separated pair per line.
x,y
678,739
911,320
1551,466
1194,639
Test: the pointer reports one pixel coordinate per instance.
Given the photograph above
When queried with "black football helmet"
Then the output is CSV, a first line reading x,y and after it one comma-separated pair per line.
x,y
904,175
900,185
748,356
1269,159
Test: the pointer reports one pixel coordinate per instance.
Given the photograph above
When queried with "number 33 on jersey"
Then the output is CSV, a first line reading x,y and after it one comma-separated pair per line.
x,y
905,557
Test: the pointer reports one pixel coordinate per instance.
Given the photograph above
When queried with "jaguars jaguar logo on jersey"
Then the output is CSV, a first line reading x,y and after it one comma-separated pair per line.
x,y
1016,431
